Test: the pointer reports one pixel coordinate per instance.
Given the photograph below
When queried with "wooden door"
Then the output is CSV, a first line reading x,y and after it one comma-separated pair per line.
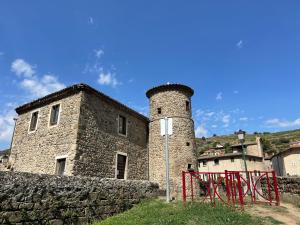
x,y
121,166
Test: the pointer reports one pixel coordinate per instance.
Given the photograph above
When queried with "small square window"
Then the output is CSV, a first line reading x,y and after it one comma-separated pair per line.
x,y
187,143
158,110
33,121
122,125
204,163
54,115
187,105
216,161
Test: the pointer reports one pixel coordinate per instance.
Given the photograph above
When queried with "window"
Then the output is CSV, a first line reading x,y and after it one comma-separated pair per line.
x,y
54,115
122,125
232,159
33,121
60,166
158,110
216,161
190,167
204,163
187,105
187,144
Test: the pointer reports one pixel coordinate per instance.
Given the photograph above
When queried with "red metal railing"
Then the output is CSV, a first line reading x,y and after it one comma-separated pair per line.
x,y
231,187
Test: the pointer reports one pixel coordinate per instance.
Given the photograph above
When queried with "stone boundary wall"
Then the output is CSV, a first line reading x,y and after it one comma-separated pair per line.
x,y
45,199
288,187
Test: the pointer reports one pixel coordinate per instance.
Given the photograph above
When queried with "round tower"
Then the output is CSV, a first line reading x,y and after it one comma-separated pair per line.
x,y
172,101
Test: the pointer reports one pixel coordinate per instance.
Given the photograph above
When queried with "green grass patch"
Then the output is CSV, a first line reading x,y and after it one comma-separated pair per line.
x,y
159,212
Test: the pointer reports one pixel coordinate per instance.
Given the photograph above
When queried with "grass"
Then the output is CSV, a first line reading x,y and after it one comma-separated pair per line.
x,y
158,212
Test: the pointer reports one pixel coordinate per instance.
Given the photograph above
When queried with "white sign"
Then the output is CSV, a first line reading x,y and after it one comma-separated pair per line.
x,y
163,126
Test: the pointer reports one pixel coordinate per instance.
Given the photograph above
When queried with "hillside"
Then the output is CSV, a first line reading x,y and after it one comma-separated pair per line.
x,y
272,142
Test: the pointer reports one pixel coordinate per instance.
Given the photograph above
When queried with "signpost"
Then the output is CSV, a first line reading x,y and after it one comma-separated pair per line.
x,y
166,128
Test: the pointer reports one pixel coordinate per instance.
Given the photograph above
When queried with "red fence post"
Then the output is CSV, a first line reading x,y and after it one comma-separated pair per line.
x,y
192,189
240,189
276,188
227,187
183,189
268,188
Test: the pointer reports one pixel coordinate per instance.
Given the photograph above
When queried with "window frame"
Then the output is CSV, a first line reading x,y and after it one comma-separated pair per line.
x,y
204,163
37,121
126,125
187,106
56,164
59,113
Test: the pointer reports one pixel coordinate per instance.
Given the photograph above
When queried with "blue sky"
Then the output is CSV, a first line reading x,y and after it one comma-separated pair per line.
x,y
242,58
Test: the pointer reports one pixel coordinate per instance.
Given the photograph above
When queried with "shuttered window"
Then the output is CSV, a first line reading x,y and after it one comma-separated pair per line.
x,y
54,114
33,121
122,125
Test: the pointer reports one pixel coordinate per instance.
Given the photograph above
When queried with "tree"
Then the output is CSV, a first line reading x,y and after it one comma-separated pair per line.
x,y
214,135
266,145
228,148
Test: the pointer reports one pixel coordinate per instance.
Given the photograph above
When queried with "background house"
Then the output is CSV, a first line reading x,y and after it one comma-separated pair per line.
x,y
216,160
287,163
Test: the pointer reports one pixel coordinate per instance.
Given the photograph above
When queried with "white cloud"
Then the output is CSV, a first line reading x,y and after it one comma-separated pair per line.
x,y
108,79
282,123
201,131
210,114
1,53
240,44
219,96
98,53
244,119
34,85
235,92
226,120
214,126
22,68
41,87
7,125
91,20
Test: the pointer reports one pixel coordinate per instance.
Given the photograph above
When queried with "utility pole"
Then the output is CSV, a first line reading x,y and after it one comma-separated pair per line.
x,y
167,161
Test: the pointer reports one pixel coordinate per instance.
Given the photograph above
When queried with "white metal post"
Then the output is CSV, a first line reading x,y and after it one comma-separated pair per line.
x,y
167,161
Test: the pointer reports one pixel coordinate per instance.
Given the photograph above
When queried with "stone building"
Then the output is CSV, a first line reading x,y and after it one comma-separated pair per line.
x,y
80,131
218,160
172,101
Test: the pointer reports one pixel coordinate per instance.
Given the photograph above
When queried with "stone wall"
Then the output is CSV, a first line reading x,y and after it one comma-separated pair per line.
x,y
44,199
36,151
289,185
99,140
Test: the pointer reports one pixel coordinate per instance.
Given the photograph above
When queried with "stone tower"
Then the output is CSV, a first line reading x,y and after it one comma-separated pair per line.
x,y
172,101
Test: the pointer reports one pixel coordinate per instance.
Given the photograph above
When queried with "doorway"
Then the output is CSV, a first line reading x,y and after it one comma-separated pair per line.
x,y
121,166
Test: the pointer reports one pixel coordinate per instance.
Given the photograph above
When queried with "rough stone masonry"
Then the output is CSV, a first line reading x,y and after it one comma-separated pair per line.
x,y
45,199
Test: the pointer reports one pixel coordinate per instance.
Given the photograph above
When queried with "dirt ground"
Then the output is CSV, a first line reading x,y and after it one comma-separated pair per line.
x,y
283,214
